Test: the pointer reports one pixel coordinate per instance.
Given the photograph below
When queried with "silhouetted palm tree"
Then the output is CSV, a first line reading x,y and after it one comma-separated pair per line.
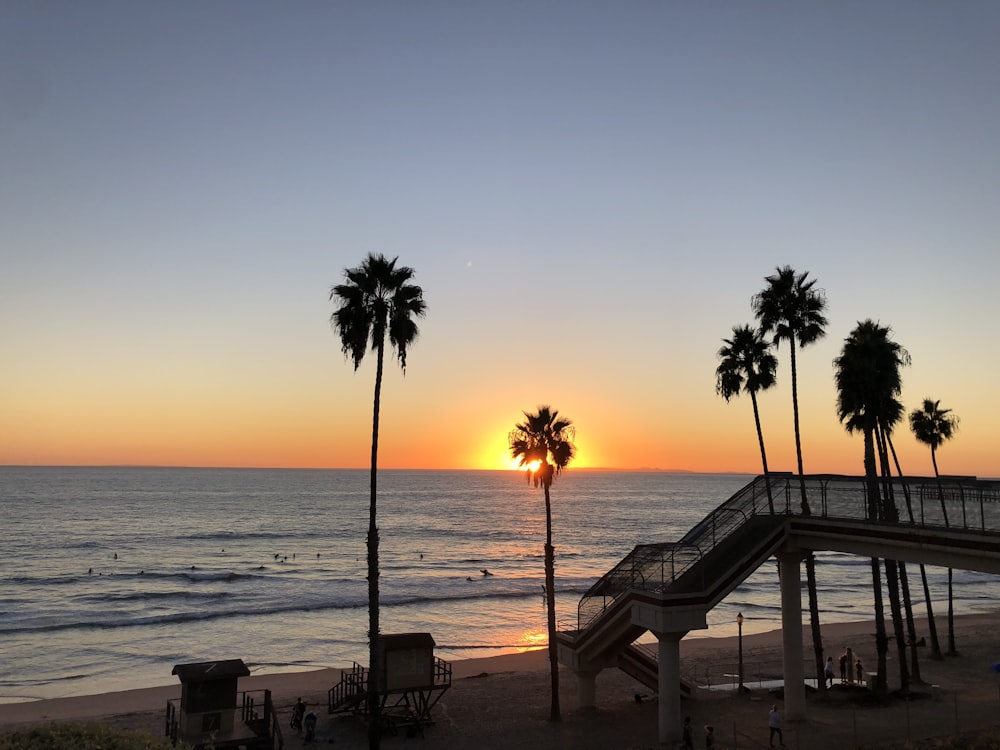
x,y
791,309
932,425
868,382
377,300
544,444
747,365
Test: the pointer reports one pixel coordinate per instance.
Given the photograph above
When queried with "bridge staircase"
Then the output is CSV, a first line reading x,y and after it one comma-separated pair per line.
x,y
954,521
695,574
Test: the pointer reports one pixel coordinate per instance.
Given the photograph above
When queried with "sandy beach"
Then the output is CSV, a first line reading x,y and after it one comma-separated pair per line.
x,y
502,702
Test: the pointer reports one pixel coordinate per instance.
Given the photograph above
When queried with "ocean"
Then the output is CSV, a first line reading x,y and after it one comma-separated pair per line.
x,y
111,576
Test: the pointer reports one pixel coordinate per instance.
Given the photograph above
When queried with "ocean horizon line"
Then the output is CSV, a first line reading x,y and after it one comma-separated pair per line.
x,y
573,469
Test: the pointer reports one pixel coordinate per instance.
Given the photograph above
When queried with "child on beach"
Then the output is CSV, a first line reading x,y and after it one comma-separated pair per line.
x,y
860,669
688,740
709,737
828,671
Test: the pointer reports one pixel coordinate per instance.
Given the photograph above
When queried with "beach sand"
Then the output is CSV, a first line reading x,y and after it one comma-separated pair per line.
x,y
503,702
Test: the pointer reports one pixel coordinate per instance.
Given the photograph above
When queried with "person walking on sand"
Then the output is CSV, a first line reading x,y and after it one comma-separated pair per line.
x,y
687,741
298,712
774,723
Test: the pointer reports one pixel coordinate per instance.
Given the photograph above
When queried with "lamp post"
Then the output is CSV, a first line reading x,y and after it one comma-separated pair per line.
x,y
739,641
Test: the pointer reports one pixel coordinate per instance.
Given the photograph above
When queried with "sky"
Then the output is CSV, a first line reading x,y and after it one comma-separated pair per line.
x,y
590,194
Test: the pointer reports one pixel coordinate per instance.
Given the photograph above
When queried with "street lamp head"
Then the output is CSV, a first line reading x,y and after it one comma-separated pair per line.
x,y
739,618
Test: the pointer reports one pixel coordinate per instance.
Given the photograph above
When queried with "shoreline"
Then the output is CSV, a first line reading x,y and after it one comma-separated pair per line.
x,y
520,681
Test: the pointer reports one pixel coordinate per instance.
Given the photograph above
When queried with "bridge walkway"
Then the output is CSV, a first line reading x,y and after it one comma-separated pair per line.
x,y
668,588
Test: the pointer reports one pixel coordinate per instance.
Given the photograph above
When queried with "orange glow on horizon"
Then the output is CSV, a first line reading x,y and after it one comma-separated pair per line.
x,y
292,434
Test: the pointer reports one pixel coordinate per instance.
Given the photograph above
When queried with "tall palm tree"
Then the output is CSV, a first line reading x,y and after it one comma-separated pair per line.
x,y
791,309
932,425
543,443
748,366
867,375
377,299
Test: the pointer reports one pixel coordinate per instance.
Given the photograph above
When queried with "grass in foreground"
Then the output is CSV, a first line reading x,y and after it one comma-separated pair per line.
x,y
80,737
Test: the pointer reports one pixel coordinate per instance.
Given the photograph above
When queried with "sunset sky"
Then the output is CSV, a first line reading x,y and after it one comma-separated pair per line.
x,y
590,194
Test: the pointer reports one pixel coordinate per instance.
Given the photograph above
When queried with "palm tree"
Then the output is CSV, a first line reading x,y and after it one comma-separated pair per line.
x,y
868,382
791,309
932,425
543,443
377,299
747,365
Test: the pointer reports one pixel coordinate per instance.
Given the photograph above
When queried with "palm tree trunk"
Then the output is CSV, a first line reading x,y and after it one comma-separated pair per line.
x,y
952,651
763,453
892,586
817,633
817,638
911,625
881,640
798,438
892,576
550,601
931,625
374,667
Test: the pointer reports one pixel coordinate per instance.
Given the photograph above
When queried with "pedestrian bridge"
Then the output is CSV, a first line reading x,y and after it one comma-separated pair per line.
x,y
668,589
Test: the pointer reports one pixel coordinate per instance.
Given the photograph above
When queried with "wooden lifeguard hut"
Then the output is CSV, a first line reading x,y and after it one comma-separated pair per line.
x,y
411,682
212,710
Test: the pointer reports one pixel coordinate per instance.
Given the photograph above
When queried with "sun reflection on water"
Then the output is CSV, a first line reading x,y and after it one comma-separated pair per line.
x,y
532,640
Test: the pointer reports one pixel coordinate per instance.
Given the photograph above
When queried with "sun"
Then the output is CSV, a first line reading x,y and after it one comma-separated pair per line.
x,y
532,466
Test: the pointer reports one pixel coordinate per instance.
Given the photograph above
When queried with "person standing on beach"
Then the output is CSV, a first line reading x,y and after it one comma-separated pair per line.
x,y
844,661
298,712
828,671
709,737
687,741
774,723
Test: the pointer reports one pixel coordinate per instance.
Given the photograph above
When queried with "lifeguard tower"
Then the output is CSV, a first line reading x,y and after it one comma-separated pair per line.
x,y
411,682
213,712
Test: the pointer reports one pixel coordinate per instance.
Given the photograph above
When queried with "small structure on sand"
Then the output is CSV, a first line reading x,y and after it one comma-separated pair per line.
x,y
411,682
213,712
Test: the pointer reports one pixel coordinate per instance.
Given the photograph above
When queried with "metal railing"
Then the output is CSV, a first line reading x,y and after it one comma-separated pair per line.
x,y
959,503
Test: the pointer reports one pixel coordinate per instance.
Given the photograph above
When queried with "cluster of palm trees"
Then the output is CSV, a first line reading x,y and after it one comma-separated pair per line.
x,y
868,381
378,301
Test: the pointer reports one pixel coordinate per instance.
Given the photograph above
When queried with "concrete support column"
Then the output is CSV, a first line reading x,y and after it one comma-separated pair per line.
x,y
669,687
791,634
586,681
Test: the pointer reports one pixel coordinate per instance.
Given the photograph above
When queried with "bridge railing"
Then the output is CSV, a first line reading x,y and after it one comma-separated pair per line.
x,y
963,503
